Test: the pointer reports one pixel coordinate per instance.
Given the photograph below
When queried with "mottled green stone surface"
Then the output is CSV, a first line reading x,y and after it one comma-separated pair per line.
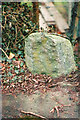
x,y
49,54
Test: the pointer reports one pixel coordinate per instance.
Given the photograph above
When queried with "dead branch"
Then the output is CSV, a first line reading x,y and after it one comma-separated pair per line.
x,y
34,114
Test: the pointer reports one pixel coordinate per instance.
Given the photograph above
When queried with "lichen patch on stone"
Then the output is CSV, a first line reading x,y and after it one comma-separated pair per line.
x,y
49,54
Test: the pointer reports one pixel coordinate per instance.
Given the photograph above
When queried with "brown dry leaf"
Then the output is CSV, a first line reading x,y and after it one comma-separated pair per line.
x,y
18,63
3,68
1,64
24,66
11,55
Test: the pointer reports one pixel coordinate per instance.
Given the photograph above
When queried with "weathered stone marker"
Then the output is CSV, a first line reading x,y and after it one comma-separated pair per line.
x,y
49,54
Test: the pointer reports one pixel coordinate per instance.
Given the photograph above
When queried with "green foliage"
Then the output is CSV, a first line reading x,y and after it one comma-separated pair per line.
x,y
17,23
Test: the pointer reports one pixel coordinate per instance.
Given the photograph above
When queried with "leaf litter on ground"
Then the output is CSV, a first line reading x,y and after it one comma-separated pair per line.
x,y
17,78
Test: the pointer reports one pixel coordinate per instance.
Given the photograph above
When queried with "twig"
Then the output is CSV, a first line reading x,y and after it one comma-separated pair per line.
x,y
5,53
16,33
5,22
34,114
58,108
57,111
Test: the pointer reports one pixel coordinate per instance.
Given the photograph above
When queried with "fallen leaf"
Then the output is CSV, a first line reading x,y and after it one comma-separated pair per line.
x,y
70,76
24,66
1,65
18,63
3,68
11,55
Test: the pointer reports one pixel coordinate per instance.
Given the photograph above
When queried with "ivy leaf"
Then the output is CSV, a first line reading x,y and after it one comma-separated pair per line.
x,y
15,78
9,73
21,64
11,65
21,70
27,31
17,71
19,52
